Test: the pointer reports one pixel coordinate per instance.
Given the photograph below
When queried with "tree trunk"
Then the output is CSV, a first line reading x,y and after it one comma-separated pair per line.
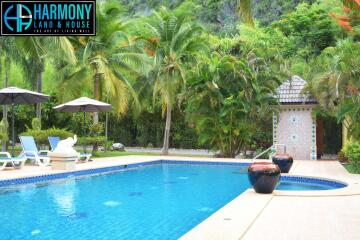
x,y
5,107
39,90
96,95
165,150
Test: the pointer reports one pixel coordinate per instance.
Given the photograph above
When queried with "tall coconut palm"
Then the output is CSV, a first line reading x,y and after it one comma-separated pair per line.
x,y
244,10
9,54
174,42
35,51
105,61
5,43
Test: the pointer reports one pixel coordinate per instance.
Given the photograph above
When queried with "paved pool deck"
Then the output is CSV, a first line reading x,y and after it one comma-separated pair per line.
x,y
332,214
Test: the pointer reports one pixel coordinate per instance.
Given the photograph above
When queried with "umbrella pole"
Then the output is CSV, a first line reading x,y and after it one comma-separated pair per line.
x,y
106,131
84,145
12,129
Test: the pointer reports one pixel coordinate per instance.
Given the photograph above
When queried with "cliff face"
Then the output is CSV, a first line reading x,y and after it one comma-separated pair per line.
x,y
219,15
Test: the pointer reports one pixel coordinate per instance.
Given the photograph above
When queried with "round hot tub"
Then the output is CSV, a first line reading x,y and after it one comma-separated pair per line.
x,y
300,183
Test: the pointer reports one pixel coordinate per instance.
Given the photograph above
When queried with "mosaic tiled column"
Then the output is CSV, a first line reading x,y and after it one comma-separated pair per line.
x,y
313,152
275,126
275,123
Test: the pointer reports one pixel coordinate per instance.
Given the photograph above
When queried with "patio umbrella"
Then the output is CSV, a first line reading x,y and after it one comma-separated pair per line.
x,y
14,96
85,105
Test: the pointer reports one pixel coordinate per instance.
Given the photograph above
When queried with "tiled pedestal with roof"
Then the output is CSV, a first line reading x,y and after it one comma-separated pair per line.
x,y
295,125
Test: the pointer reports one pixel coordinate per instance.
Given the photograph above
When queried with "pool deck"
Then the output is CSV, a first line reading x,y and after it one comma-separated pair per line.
x,y
331,214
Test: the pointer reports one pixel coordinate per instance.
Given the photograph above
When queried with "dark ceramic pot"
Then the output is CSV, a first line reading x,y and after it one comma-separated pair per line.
x,y
284,161
264,176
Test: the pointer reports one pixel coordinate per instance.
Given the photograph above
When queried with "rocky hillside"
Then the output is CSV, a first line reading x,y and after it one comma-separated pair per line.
x,y
219,15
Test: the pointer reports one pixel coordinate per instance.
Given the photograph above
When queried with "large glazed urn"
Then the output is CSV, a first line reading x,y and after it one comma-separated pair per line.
x,y
284,161
264,176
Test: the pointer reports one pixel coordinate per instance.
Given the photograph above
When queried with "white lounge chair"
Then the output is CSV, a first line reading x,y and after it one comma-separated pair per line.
x,y
17,162
31,151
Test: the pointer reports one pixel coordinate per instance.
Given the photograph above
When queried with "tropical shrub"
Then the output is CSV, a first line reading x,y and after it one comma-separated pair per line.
x,y
109,145
98,140
96,129
342,157
226,101
352,152
36,124
137,130
41,136
336,83
4,126
309,28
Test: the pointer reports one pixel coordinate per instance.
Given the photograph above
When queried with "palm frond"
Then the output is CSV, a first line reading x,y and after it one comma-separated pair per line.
x,y
352,4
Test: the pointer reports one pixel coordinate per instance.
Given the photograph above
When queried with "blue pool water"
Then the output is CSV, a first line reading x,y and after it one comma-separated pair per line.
x,y
163,201
290,185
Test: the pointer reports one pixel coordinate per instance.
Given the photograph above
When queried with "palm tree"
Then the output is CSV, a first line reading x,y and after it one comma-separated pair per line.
x,y
227,101
35,51
244,10
5,43
174,42
352,4
336,82
108,60
10,54
337,72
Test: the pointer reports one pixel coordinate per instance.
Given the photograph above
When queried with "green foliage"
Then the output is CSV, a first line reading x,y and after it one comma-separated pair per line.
x,y
352,152
229,95
271,10
336,83
52,118
309,28
98,140
138,130
109,145
151,57
174,42
349,112
4,128
106,61
36,124
96,129
220,16
225,101
342,157
41,136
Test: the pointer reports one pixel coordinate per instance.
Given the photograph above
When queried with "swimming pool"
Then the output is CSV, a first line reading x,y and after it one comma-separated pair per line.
x,y
159,201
